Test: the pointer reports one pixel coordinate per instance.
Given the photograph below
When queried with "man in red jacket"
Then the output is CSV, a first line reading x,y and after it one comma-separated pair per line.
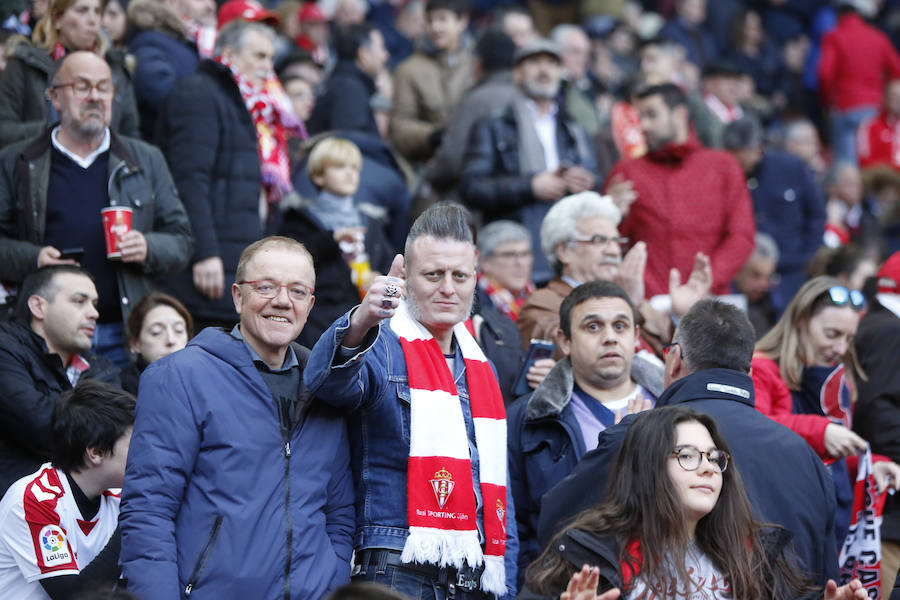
x,y
690,199
878,142
855,63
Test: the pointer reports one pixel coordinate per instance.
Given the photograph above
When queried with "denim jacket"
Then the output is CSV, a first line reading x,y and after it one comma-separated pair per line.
x,y
374,385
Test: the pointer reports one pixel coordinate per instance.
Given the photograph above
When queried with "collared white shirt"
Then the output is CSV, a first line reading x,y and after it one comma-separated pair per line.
x,y
88,160
545,125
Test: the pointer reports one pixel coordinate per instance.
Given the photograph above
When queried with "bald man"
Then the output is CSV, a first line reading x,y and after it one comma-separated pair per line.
x,y
63,179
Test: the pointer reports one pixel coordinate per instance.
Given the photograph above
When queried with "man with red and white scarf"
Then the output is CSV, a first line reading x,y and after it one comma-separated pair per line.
x,y
428,430
223,132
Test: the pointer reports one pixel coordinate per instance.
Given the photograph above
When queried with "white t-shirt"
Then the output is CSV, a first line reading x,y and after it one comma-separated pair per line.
x,y
43,535
706,582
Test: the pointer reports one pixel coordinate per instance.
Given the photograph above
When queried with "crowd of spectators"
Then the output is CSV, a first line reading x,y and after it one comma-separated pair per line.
x,y
619,163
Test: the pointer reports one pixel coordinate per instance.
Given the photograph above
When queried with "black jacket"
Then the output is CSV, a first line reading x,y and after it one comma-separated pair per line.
x,y
209,141
499,337
137,178
31,380
787,483
877,414
344,103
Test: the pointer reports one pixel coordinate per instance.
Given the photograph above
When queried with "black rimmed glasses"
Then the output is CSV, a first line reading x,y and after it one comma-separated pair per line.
x,y
690,458
841,296
266,288
81,88
600,240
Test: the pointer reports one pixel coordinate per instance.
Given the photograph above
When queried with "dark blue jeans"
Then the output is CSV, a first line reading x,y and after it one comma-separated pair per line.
x,y
414,584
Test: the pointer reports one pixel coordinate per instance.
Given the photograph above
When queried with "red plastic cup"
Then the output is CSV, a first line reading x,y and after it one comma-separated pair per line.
x,y
116,223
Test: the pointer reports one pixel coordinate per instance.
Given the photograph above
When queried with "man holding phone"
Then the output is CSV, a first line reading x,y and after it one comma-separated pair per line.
x,y
65,177
598,381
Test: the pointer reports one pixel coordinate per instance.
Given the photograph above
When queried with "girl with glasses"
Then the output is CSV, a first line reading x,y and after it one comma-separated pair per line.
x,y
803,374
676,522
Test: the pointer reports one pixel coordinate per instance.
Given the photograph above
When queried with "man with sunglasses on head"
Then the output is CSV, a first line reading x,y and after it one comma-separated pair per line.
x,y
707,368
54,187
238,485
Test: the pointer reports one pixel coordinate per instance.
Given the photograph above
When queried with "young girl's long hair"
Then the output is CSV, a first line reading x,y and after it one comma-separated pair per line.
x,y
642,504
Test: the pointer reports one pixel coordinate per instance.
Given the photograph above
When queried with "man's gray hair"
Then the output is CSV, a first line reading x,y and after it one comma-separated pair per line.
x,y
561,32
498,233
766,247
715,335
794,129
233,34
442,221
561,221
742,134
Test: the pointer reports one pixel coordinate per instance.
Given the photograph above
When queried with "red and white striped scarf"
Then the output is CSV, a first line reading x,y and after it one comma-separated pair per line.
x,y
273,116
440,498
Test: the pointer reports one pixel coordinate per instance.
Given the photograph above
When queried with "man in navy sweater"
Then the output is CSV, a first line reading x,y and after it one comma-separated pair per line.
x,y
53,188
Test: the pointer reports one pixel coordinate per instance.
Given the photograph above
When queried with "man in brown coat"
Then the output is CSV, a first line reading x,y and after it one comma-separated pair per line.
x,y
430,83
581,240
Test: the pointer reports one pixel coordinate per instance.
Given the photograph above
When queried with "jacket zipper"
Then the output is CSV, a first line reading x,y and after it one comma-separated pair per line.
x,y
285,419
204,556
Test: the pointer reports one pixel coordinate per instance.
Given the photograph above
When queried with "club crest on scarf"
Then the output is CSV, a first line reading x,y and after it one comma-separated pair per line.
x,y
443,485
501,515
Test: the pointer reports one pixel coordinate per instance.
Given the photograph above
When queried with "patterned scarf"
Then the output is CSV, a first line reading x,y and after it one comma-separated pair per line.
x,y
440,496
203,36
274,118
504,300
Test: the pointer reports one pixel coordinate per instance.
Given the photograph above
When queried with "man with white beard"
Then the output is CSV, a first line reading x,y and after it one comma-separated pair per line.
x,y
519,163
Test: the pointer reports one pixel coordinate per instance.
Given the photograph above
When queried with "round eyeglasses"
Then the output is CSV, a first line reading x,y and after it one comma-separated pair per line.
x,y
690,458
267,288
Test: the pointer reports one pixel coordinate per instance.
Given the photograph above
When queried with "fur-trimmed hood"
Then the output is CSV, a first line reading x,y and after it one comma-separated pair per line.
x,y
555,390
153,14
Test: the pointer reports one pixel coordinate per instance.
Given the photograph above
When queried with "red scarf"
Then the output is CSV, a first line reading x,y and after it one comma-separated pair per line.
x,y
504,300
274,118
440,499
203,36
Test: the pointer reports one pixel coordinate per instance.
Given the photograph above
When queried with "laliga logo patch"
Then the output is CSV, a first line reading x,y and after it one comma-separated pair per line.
x,y
53,546
442,485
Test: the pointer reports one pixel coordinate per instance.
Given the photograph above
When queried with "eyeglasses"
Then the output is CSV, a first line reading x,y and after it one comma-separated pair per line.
x,y
840,296
513,255
667,348
690,458
81,88
266,288
600,240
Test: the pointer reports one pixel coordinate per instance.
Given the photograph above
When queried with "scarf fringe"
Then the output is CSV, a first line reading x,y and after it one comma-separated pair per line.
x,y
494,577
448,548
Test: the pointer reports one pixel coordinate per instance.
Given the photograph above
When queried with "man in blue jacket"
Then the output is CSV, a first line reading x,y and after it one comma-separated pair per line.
x,y
707,368
238,484
434,512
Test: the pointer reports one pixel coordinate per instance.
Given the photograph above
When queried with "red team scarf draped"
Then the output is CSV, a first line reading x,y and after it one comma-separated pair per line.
x,y
203,36
504,300
440,496
273,116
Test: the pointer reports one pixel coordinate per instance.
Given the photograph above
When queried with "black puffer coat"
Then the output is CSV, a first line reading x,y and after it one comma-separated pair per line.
x,y
209,140
31,380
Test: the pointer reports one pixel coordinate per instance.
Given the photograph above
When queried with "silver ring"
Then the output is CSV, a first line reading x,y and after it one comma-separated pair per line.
x,y
391,289
387,303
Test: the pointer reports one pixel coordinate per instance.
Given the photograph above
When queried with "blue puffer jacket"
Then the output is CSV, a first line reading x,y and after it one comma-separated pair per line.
x,y
215,492
375,386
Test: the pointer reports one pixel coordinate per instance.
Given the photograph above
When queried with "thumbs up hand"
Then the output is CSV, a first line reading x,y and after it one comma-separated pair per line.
x,y
379,303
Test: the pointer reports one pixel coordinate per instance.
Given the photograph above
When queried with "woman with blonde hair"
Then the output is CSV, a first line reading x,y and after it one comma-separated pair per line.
x,y
68,26
803,374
